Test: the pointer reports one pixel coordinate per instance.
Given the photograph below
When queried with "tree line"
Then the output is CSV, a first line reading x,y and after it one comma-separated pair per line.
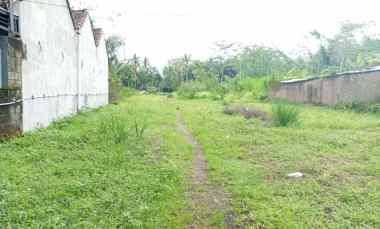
x,y
352,47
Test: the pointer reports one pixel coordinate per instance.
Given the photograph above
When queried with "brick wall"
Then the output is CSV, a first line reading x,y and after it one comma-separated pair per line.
x,y
11,115
361,87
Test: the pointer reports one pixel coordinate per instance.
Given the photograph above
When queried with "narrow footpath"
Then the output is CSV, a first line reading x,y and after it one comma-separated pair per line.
x,y
208,202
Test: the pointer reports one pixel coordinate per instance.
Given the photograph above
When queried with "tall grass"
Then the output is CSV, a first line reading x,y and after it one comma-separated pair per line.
x,y
284,115
114,129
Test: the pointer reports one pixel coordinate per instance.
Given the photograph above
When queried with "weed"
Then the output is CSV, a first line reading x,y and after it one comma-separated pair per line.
x,y
114,128
284,115
140,123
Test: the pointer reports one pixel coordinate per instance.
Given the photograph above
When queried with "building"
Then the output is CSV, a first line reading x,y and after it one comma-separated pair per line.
x,y
53,64
343,88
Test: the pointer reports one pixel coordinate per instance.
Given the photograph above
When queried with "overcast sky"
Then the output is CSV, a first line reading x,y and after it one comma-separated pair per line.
x,y
164,29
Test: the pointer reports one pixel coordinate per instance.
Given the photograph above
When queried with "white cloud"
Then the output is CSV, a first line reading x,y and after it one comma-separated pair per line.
x,y
163,29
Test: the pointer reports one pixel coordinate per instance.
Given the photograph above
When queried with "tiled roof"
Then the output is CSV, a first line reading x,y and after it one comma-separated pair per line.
x,y
98,33
79,18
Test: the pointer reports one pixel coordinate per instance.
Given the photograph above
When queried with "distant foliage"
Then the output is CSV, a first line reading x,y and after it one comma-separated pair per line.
x,y
189,90
284,115
353,47
246,70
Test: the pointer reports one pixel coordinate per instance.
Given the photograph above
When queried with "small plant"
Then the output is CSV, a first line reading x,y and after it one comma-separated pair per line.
x,y
140,128
139,123
114,128
284,115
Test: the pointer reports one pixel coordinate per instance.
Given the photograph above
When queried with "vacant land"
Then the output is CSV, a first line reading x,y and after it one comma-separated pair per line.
x,y
84,173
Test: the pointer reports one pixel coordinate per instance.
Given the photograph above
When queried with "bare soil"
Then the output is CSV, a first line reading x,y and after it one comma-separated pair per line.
x,y
207,200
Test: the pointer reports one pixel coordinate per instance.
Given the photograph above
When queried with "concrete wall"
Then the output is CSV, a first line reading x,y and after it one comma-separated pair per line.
x,y
51,79
93,69
342,89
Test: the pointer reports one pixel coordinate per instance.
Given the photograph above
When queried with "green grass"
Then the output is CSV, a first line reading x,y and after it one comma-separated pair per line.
x,y
284,115
94,171
83,173
339,153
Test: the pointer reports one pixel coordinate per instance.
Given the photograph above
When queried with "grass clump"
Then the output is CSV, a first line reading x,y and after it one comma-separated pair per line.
x,y
115,128
284,115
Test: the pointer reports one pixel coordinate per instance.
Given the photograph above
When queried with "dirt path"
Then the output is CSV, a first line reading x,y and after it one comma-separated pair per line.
x,y
208,202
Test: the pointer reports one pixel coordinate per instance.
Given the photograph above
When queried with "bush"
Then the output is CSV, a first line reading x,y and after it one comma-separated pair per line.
x,y
284,115
256,88
115,86
128,92
152,90
219,91
189,90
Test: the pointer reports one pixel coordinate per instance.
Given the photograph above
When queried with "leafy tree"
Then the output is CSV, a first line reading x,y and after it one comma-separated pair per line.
x,y
113,45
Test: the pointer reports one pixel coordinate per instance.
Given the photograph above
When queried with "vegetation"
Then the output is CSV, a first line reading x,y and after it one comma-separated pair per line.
x,y
127,165
337,151
284,115
241,69
91,171
361,107
94,171
353,47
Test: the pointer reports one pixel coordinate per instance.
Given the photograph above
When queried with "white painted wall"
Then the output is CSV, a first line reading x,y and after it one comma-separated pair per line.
x,y
50,71
93,69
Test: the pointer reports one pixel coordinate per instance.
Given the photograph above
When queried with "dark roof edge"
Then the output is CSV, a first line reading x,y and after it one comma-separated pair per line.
x,y
333,76
73,21
71,14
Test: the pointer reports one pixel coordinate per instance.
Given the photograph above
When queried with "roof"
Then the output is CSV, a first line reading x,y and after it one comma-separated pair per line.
x,y
336,75
98,34
79,18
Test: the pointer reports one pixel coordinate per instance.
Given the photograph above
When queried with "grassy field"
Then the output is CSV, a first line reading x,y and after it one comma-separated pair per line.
x,y
339,153
84,173
75,174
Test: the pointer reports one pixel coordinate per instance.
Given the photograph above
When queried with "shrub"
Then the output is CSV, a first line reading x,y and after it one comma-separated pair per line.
x,y
189,90
128,92
284,115
219,91
152,90
115,86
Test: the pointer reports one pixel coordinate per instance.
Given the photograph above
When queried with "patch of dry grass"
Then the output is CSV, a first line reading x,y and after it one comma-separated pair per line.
x,y
246,112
